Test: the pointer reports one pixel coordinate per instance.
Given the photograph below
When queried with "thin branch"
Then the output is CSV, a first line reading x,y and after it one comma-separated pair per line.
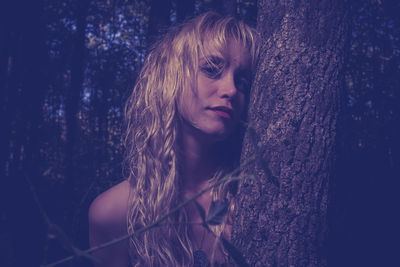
x,y
36,199
226,178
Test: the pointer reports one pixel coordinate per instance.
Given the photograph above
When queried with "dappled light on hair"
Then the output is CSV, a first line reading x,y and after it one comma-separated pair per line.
x,y
153,123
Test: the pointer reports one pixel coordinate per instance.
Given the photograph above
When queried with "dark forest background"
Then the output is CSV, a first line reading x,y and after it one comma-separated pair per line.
x,y
66,68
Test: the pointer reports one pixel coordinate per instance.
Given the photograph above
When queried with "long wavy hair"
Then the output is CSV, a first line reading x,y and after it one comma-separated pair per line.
x,y
153,128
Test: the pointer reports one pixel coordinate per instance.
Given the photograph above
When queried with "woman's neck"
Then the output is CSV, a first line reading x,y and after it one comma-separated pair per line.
x,y
199,162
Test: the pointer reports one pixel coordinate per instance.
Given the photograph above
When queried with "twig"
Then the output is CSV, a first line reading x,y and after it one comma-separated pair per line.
x,y
227,177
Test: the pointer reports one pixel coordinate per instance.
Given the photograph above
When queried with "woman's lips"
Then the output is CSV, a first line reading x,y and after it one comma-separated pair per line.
x,y
223,112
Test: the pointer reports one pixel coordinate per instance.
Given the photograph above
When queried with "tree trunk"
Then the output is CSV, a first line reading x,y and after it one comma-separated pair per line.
x,y
281,215
24,90
158,19
73,100
184,9
225,7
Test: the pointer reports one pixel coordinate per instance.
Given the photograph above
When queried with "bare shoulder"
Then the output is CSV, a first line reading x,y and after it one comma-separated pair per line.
x,y
111,206
107,221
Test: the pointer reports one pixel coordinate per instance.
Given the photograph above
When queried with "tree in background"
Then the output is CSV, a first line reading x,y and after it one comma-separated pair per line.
x,y
36,72
23,74
364,224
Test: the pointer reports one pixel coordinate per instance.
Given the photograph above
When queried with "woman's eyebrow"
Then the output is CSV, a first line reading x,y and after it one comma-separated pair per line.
x,y
212,59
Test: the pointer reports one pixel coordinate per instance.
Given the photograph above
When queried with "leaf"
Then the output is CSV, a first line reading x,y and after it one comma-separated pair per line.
x,y
217,212
234,253
200,210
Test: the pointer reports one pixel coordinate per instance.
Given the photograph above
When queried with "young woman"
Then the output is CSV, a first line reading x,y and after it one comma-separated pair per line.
x,y
183,134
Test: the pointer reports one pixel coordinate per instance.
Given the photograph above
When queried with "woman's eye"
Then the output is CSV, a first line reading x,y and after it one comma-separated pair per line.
x,y
243,84
213,72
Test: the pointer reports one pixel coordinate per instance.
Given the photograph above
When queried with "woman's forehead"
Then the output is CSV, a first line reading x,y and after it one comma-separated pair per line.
x,y
212,49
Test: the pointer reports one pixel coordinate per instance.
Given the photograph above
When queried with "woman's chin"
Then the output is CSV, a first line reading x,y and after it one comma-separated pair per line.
x,y
208,133
217,134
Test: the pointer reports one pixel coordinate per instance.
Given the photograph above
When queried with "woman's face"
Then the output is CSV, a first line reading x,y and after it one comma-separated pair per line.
x,y
223,82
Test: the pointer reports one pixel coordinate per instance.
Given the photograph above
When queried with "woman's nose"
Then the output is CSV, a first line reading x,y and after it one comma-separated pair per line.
x,y
227,86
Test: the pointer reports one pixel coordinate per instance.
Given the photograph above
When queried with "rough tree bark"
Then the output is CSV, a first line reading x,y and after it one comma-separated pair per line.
x,y
281,216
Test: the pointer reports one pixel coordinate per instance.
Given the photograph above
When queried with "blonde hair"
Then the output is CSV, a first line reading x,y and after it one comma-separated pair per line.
x,y
153,123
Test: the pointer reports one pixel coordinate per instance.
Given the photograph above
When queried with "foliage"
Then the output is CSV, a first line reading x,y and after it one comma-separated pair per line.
x,y
36,75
